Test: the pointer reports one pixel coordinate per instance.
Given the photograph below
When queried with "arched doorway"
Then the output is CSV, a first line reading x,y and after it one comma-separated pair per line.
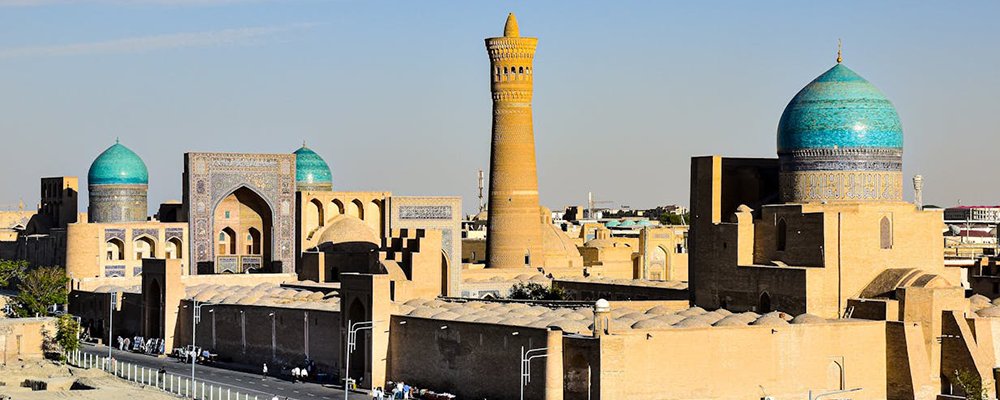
x,y
227,241
764,304
253,241
444,273
658,265
244,221
153,302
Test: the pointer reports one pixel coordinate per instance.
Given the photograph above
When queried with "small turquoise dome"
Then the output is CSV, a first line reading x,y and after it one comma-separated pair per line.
x,y
645,222
310,167
627,223
118,165
611,224
836,110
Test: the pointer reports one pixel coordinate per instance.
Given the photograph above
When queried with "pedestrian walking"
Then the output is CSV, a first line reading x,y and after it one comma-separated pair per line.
x,y
263,376
295,375
303,374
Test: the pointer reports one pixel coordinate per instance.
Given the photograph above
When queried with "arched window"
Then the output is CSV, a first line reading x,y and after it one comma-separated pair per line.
x,y
115,249
781,235
885,233
338,207
144,247
314,215
173,248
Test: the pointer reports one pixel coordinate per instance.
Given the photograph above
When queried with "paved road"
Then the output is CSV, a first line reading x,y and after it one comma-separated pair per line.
x,y
234,380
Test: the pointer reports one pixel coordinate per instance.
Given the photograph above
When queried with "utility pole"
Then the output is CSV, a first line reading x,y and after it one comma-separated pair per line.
x,y
482,204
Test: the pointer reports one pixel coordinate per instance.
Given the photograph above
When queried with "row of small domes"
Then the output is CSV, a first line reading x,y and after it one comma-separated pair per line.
x,y
119,165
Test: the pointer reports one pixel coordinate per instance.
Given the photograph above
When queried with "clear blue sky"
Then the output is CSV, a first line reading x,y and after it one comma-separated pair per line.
x,y
395,95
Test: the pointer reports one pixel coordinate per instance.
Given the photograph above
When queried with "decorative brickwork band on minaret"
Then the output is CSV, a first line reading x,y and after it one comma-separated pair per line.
x,y
514,236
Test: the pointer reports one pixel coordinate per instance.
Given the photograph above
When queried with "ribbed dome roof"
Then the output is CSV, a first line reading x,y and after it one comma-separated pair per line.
x,y
839,109
118,165
310,167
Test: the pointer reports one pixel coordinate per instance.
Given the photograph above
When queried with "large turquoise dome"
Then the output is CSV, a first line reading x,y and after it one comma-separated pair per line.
x,y
310,168
836,110
118,165
840,139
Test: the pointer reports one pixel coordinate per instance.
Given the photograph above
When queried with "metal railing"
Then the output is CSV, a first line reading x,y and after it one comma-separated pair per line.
x,y
167,382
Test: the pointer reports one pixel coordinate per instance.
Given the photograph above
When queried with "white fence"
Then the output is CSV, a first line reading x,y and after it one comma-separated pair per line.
x,y
167,382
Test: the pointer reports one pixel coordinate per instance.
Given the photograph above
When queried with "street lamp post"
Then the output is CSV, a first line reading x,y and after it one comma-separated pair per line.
x,y
526,357
195,319
352,339
274,337
111,320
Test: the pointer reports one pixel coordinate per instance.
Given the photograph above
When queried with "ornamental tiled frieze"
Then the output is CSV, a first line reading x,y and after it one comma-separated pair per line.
x,y
153,233
213,176
175,233
114,234
816,186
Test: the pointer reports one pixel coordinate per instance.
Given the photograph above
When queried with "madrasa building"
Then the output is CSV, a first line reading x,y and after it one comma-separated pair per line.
x,y
809,274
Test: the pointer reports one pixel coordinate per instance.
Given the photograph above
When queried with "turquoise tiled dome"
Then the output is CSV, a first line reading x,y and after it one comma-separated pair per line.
x,y
118,165
839,109
310,167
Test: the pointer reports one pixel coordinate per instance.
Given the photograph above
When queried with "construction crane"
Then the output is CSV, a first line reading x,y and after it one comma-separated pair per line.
x,y
591,201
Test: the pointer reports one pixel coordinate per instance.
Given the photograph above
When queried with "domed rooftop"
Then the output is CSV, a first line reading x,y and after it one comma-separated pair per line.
x,y
839,109
611,224
118,165
348,229
310,168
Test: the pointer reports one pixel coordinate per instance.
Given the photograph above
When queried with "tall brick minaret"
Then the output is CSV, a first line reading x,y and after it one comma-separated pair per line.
x,y
514,235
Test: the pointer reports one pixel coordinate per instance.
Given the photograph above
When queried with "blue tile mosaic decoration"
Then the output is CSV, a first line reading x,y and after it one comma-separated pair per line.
x,y
839,109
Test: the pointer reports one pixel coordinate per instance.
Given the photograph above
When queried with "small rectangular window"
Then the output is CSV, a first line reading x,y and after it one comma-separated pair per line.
x,y
392,290
227,214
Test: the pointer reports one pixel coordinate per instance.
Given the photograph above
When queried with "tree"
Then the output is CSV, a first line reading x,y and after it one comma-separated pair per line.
x,y
11,271
675,219
68,333
535,291
971,385
39,289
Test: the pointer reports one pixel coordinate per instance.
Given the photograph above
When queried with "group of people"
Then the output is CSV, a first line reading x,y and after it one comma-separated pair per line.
x,y
299,374
399,391
124,343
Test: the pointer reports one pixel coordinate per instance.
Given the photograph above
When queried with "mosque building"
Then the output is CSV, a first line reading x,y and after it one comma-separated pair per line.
x,y
808,273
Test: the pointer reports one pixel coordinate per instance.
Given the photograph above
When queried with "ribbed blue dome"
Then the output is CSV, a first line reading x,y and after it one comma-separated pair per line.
x,y
118,165
310,167
839,109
